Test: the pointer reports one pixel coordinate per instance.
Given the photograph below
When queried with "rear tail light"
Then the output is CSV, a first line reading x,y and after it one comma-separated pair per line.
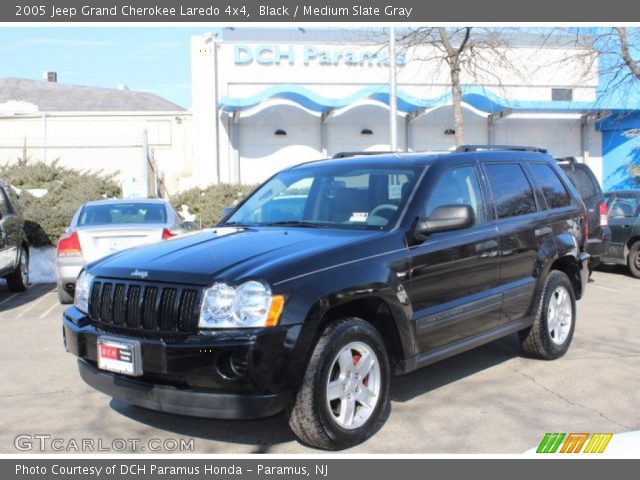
x,y
604,215
167,234
69,245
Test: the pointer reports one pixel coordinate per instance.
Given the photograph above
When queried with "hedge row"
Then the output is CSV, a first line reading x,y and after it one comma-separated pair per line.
x,y
208,204
47,218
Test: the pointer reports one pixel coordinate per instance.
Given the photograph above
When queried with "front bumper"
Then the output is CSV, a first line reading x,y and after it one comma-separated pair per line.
x,y
182,402
225,374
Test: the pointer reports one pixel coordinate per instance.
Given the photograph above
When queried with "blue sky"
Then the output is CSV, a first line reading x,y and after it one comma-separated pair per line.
x,y
149,59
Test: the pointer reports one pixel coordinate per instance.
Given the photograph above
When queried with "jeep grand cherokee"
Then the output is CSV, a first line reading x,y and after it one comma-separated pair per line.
x,y
329,278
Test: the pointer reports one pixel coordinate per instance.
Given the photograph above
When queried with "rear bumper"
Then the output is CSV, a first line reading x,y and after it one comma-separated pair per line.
x,y
596,247
67,270
583,266
183,402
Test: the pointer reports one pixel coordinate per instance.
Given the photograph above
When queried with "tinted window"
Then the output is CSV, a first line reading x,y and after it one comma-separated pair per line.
x,y
583,180
552,188
123,213
342,196
512,191
458,186
623,206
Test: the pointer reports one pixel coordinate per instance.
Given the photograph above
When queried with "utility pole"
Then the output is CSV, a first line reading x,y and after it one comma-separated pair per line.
x,y
393,104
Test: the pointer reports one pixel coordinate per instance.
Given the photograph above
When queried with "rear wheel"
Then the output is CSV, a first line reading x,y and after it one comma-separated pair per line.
x,y
552,331
18,281
344,395
64,296
633,260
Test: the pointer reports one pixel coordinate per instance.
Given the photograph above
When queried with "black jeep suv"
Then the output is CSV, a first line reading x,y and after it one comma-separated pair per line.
x,y
329,278
14,249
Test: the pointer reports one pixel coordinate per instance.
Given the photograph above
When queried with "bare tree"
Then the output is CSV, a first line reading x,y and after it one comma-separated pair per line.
x,y
472,52
617,49
454,57
625,52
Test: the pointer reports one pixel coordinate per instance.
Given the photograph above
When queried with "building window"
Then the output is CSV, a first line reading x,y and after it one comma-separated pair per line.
x,y
561,94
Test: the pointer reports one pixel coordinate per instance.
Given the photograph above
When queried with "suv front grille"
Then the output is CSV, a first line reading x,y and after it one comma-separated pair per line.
x,y
144,307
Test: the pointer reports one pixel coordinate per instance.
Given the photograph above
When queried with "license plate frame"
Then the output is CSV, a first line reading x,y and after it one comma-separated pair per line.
x,y
119,355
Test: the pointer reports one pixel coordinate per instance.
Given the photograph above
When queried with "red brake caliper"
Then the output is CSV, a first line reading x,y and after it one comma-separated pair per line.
x,y
356,359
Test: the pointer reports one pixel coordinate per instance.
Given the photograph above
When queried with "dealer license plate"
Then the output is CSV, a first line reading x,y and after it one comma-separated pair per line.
x,y
120,356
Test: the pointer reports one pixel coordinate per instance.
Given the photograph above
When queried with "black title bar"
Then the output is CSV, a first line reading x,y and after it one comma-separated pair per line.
x,y
320,11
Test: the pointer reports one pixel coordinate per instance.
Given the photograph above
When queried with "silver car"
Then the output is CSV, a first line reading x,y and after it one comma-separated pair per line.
x,y
106,226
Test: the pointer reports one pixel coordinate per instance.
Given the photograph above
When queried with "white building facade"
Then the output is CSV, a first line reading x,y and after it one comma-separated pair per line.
x,y
267,99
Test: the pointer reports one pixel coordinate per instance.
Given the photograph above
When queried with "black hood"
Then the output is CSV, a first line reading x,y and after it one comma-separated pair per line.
x,y
227,253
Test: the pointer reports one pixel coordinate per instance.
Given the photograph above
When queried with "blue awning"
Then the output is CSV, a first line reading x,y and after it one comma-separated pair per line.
x,y
478,97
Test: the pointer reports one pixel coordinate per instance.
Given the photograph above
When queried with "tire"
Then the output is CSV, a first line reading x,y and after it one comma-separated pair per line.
x,y
18,281
64,296
323,423
543,340
633,260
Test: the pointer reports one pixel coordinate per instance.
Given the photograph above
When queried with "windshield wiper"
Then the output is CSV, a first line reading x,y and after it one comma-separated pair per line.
x,y
235,224
292,223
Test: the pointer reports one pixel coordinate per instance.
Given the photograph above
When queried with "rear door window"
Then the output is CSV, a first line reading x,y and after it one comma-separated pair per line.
x,y
512,192
551,186
623,205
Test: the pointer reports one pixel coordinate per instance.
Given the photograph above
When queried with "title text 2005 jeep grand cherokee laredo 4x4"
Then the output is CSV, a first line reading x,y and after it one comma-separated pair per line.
x,y
330,277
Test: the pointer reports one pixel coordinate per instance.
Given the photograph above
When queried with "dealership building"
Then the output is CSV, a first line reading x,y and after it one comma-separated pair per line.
x,y
264,99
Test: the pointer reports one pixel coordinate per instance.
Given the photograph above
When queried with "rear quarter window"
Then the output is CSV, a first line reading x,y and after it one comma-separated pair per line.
x,y
551,186
583,180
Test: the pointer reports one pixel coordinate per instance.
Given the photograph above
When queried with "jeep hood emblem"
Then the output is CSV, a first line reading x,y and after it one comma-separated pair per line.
x,y
141,274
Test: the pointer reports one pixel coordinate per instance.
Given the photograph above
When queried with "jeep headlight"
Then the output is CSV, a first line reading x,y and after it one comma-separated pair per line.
x,y
83,291
248,305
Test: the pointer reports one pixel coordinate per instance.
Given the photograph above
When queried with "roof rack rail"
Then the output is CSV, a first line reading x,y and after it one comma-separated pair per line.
x,y
513,148
359,154
567,159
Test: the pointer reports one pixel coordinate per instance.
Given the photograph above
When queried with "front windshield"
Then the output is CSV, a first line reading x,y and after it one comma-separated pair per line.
x,y
331,196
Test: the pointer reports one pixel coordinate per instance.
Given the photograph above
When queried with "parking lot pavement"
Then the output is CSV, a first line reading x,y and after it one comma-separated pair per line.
x,y
489,400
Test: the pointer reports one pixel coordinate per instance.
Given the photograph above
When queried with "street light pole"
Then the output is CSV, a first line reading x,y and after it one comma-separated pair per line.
x,y
393,104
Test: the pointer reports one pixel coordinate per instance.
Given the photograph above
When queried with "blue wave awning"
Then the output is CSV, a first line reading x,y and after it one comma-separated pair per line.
x,y
478,97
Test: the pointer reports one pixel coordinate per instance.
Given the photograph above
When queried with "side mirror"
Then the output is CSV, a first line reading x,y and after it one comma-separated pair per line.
x,y
226,211
188,226
447,217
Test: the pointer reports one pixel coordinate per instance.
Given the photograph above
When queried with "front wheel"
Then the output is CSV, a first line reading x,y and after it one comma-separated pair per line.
x,y
344,395
552,331
633,260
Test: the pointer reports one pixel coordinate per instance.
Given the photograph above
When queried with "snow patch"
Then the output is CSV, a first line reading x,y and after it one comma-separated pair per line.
x,y
42,265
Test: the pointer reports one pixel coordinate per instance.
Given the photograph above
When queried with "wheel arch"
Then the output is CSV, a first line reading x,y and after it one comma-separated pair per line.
x,y
627,246
373,310
569,266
